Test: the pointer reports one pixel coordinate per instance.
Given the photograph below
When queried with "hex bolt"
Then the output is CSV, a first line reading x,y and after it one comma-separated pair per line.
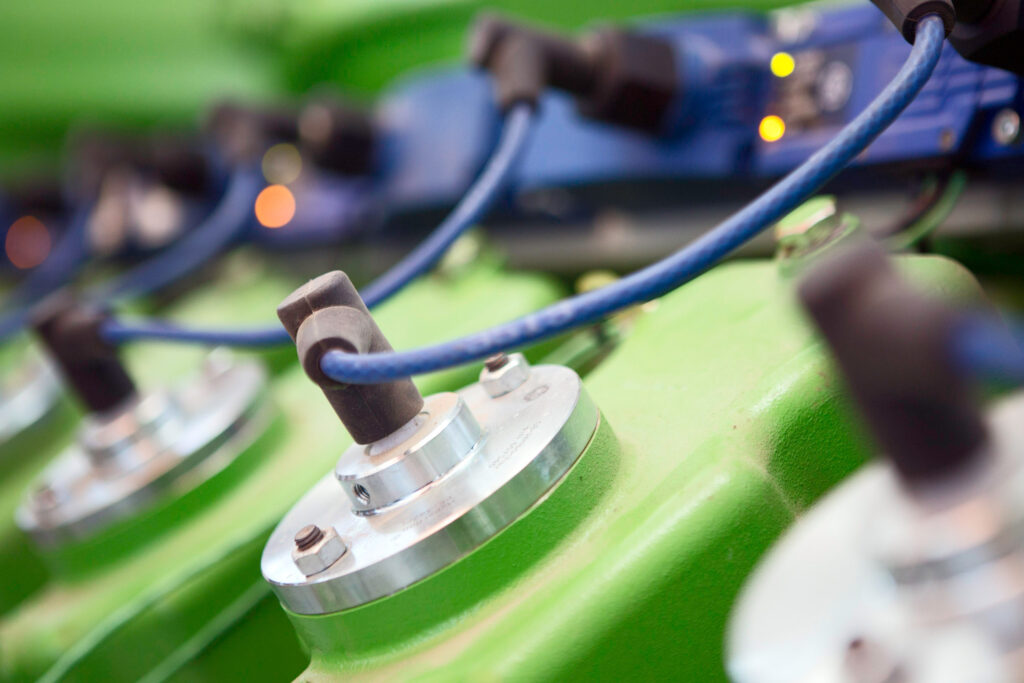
x,y
500,378
496,362
1006,127
307,536
317,549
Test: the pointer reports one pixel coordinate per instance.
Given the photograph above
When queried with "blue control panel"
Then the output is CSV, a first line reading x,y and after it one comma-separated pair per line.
x,y
754,101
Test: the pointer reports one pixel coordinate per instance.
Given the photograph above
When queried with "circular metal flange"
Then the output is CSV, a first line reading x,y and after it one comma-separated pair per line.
x,y
871,565
126,459
378,475
28,393
532,436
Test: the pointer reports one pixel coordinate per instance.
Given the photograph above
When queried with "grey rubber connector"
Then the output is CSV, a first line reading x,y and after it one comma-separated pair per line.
x,y
904,14
892,345
327,314
89,364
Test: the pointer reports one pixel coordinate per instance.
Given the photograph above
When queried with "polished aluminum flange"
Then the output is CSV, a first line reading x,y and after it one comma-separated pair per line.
x,y
468,466
875,585
125,459
27,395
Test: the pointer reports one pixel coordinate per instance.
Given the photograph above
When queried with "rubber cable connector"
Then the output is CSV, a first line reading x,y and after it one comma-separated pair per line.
x,y
327,314
91,366
905,14
616,76
893,346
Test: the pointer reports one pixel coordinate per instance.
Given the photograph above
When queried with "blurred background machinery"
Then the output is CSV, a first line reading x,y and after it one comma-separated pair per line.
x,y
513,419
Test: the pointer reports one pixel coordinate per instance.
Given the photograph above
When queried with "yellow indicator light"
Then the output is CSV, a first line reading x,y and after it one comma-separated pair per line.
x,y
782,64
275,206
772,128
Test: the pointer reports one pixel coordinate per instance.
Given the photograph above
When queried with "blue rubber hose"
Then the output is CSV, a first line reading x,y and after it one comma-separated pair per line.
x,y
684,265
487,188
989,349
222,227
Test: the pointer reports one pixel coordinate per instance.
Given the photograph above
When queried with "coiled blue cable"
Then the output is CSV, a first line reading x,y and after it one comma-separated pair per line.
x,y
682,266
470,209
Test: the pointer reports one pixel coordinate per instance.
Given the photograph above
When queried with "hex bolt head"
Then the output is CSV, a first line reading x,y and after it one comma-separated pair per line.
x,y
317,549
505,377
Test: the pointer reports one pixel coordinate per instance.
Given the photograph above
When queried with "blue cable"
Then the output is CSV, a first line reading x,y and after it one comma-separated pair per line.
x,y
208,239
51,275
231,216
684,265
470,209
985,347
467,213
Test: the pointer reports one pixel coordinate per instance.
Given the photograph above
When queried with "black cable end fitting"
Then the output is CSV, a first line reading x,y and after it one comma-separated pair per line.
x,y
243,133
327,314
89,364
619,77
904,14
97,153
178,162
891,344
990,32
338,136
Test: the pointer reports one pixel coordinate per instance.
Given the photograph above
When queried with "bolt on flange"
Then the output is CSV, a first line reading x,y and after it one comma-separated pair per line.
x,y
503,374
317,549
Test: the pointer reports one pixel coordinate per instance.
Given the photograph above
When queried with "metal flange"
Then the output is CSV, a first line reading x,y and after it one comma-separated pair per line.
x,y
529,438
125,459
27,394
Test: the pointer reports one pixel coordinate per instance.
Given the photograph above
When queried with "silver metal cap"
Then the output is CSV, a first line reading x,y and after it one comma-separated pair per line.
x,y
385,472
528,439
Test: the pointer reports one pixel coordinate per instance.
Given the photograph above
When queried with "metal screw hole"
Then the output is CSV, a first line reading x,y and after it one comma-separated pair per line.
x,y
361,493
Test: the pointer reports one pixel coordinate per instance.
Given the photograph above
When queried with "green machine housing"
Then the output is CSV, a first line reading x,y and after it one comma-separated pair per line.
x,y
721,421
173,590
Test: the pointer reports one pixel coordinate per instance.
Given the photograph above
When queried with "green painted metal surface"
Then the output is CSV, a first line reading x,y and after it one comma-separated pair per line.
x,y
182,595
116,63
21,458
728,421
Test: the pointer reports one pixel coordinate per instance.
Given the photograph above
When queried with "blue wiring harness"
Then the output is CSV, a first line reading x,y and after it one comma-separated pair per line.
x,y
980,345
985,347
232,215
677,269
211,237
474,204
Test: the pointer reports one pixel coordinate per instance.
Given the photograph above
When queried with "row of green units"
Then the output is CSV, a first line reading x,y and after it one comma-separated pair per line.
x,y
150,524
595,530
